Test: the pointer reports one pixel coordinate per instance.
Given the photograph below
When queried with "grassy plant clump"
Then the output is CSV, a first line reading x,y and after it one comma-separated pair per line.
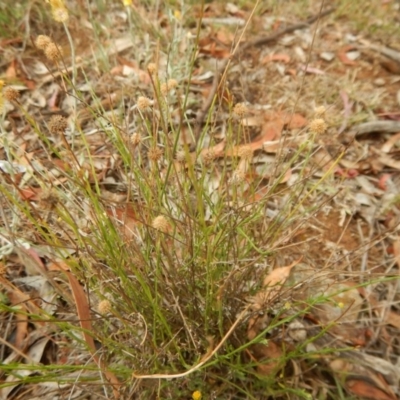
x,y
156,246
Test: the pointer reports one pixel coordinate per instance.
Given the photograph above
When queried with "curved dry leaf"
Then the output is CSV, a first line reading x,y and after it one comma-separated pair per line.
x,y
366,390
293,120
362,380
279,275
83,311
268,357
387,146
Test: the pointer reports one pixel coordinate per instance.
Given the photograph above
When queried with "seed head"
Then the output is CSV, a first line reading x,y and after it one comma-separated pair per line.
x,y
318,126
245,152
164,89
209,156
320,111
172,84
240,110
237,177
104,307
10,94
180,156
135,139
167,87
57,124
143,103
161,224
155,153
52,52
152,68
49,199
42,41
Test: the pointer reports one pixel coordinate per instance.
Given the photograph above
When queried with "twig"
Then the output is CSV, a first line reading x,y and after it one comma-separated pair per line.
x,y
217,81
376,126
346,112
205,358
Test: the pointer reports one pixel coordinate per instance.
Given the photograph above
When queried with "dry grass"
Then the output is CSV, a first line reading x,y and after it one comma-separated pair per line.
x,y
253,255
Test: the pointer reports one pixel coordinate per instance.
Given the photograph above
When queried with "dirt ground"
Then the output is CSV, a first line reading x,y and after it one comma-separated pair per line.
x,y
299,69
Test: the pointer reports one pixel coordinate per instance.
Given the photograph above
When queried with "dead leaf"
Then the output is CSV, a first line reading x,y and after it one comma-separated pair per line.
x,y
83,311
383,179
365,389
285,58
22,323
125,218
268,357
272,285
396,251
388,145
312,70
279,275
361,378
33,354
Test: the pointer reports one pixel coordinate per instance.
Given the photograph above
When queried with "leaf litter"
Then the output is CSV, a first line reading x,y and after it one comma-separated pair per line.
x,y
318,305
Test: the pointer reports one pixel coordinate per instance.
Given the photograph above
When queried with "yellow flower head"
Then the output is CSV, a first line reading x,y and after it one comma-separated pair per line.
x,y
59,11
196,395
127,3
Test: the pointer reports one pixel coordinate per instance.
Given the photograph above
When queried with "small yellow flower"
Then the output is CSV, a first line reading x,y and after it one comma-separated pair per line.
x,y
287,305
340,305
127,3
196,395
178,15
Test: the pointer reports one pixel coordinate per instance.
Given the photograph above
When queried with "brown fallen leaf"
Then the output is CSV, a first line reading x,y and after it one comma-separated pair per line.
x,y
361,378
83,311
125,219
388,145
268,357
366,390
396,251
22,322
285,58
279,275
